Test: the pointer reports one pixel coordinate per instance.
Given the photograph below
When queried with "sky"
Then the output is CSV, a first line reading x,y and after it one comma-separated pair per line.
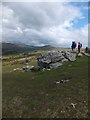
x,y
45,23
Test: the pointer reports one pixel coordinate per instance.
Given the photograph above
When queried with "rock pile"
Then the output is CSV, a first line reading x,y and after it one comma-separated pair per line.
x,y
28,68
55,59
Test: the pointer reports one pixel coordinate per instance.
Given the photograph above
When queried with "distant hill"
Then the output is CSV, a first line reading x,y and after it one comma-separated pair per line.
x,y
9,48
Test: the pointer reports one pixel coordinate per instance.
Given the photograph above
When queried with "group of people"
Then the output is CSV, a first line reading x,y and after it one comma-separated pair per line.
x,y
74,45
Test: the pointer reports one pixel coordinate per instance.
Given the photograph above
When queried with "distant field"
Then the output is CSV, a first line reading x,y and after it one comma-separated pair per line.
x,y
35,94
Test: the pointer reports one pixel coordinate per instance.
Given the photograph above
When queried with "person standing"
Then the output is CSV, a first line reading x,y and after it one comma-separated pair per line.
x,y
79,47
26,60
73,45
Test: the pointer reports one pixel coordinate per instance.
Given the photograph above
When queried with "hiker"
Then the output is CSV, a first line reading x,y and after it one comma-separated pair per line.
x,y
26,60
86,49
73,45
79,47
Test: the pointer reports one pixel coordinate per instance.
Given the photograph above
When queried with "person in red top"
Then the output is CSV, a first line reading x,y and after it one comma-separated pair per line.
x,y
79,47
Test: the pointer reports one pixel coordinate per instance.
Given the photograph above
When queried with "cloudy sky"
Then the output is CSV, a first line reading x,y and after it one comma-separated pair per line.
x,y
45,23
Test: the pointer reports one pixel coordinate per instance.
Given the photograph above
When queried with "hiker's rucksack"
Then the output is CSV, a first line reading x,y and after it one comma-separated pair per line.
x,y
75,45
80,45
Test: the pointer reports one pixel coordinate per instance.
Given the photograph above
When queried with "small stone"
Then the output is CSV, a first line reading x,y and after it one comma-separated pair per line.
x,y
49,69
58,82
73,105
48,110
62,111
46,94
14,69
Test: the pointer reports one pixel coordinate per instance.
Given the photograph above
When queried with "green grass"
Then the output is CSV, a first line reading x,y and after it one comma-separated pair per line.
x,y
35,94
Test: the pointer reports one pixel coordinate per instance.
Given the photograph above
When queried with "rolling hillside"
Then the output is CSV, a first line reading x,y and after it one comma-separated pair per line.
x,y
9,48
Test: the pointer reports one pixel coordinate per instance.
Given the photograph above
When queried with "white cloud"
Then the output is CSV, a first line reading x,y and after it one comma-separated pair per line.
x,y
46,0
42,24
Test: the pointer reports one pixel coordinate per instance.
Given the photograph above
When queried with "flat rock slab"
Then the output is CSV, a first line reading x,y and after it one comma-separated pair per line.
x,y
87,54
55,65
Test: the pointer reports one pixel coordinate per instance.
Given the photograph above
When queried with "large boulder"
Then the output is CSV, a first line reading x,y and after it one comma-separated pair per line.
x,y
56,56
44,61
43,64
55,59
70,56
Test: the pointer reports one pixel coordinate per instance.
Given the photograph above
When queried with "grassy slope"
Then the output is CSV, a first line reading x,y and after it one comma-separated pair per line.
x,y
34,94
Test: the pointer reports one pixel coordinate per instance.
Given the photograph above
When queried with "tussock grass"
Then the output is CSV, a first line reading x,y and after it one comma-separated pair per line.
x,y
35,94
